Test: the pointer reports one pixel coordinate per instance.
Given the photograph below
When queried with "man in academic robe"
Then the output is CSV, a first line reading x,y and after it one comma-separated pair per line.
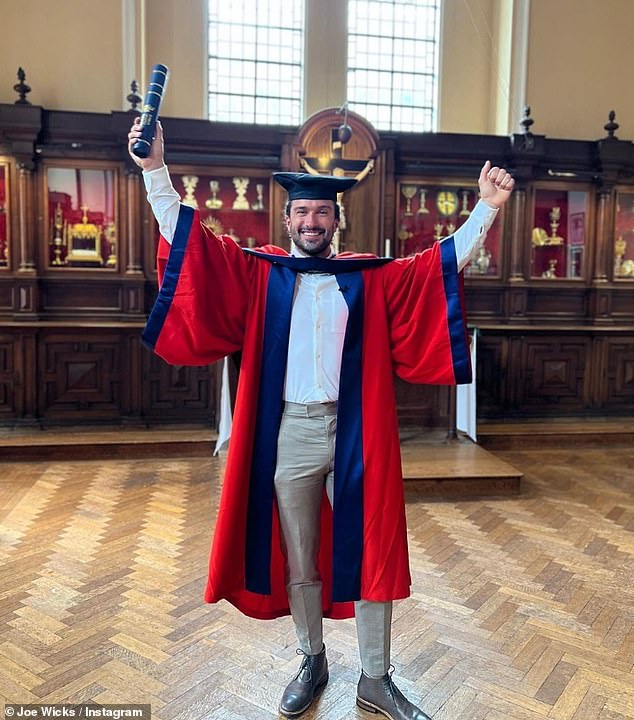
x,y
311,519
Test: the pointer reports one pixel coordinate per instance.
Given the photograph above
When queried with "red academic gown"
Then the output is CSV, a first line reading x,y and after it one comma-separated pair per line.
x,y
405,316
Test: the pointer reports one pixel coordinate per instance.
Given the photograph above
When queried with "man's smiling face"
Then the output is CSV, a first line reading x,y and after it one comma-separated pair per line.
x,y
311,225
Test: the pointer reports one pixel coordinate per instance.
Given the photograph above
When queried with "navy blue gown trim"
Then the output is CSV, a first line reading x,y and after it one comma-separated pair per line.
x,y
163,302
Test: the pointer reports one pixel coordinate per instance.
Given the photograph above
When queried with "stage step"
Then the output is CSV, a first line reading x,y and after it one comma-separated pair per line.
x,y
457,468
440,468
105,443
556,433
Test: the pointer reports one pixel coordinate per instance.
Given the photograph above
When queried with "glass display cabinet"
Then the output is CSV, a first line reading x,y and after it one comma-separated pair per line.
x,y
428,212
624,235
229,204
559,232
81,210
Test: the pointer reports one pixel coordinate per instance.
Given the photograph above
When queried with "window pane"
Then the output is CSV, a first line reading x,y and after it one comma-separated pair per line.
x,y
256,61
393,62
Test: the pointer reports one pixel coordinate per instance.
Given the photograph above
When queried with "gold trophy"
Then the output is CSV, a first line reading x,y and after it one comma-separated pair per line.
x,y
214,202
620,246
483,261
111,238
84,242
241,184
259,203
551,272
214,224
422,203
464,210
408,193
555,217
189,183
58,240
539,237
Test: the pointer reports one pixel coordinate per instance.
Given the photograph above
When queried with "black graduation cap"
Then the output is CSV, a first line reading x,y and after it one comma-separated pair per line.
x,y
304,186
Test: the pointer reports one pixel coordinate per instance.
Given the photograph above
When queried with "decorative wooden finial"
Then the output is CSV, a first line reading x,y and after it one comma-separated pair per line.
x,y
22,88
526,120
134,98
611,127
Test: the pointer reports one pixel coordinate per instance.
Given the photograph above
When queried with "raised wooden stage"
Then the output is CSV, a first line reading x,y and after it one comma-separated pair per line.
x,y
439,467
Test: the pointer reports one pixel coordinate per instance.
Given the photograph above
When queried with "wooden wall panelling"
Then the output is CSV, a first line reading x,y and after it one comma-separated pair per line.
x,y
598,384
81,374
619,375
484,301
492,375
29,373
555,374
18,374
548,347
363,214
11,381
622,303
178,394
552,301
422,406
7,294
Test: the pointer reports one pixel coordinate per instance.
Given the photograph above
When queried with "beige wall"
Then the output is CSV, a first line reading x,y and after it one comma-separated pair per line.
x,y
581,57
465,63
578,63
325,55
70,50
177,36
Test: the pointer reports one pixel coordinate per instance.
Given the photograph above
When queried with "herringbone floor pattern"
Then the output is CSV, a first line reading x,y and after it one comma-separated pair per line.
x,y
522,608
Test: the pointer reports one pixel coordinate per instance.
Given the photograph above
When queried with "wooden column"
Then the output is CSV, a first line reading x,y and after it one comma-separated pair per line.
x,y
518,210
25,217
133,223
603,250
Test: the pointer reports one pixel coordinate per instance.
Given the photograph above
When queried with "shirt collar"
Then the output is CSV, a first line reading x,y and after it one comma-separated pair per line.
x,y
296,252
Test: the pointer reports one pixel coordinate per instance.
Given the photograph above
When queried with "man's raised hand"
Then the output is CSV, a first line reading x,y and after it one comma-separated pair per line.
x,y
496,185
155,159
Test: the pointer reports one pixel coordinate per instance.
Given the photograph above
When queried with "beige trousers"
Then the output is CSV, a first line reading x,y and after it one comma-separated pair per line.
x,y
305,461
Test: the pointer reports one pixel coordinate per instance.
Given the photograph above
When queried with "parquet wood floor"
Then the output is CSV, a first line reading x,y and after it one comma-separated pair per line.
x,y
522,608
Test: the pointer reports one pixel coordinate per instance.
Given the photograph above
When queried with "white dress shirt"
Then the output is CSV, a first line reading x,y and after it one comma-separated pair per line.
x,y
315,347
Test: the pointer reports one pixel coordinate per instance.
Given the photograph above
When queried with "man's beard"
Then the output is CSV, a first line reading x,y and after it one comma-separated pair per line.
x,y
312,246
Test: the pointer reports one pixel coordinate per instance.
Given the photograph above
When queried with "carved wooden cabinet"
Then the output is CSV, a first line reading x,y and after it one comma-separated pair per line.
x,y
551,291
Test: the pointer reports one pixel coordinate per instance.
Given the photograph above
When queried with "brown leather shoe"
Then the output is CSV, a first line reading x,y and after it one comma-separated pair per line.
x,y
380,695
306,685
